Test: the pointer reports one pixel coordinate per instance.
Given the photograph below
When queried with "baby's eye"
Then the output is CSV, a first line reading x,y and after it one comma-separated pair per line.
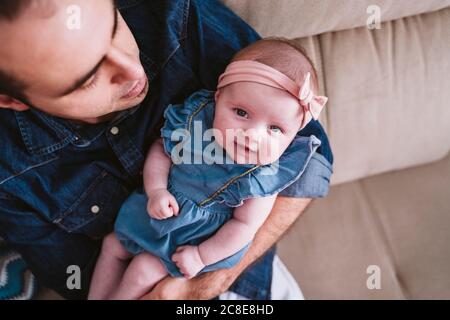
x,y
276,129
241,113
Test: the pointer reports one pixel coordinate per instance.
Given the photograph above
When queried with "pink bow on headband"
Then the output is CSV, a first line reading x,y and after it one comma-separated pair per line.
x,y
252,71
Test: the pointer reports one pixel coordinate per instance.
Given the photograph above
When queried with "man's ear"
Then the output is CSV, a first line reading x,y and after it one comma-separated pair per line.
x,y
6,102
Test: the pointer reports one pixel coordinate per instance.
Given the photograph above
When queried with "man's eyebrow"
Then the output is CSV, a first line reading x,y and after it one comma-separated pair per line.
x,y
86,77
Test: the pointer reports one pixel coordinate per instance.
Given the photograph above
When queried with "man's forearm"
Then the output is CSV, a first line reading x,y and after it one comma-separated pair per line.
x,y
284,213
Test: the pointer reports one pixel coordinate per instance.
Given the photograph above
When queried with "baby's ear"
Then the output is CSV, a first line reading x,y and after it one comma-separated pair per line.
x,y
216,96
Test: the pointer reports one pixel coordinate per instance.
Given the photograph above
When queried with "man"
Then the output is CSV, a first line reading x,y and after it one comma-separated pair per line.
x,y
81,102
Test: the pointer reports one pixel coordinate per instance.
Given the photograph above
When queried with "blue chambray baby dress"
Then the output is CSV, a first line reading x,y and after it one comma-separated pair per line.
x,y
206,193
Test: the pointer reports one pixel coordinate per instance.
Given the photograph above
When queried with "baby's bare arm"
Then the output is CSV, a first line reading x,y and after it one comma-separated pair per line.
x,y
238,231
156,168
161,204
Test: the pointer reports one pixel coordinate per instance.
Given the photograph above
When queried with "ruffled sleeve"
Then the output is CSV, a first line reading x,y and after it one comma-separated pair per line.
x,y
270,179
177,118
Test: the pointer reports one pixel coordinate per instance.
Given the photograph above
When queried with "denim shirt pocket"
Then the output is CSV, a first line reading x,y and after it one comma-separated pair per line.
x,y
94,212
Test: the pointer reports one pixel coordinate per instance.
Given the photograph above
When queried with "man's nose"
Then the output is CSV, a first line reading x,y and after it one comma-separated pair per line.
x,y
127,69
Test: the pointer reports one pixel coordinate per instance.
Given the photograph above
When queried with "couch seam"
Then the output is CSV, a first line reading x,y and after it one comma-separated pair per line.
x,y
375,217
324,88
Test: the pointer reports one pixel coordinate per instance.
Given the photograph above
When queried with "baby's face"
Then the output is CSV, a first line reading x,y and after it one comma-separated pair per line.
x,y
256,122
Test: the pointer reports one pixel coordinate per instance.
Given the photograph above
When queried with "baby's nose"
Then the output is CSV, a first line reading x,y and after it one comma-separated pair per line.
x,y
254,137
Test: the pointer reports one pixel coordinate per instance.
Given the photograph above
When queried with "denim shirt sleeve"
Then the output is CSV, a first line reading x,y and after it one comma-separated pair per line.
x,y
217,34
315,182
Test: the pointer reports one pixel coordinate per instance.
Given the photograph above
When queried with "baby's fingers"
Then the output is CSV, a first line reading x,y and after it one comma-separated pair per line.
x,y
160,214
179,249
183,270
176,258
166,210
174,205
154,211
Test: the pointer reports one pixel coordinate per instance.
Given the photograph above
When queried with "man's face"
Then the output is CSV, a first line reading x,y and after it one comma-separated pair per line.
x,y
84,74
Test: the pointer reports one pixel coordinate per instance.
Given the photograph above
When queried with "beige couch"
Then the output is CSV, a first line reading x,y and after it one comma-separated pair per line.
x,y
388,120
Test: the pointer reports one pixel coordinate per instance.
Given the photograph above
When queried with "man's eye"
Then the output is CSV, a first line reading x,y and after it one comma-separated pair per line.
x,y
276,129
91,83
241,113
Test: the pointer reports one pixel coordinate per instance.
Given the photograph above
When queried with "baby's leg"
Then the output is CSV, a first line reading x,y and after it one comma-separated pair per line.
x,y
109,269
144,271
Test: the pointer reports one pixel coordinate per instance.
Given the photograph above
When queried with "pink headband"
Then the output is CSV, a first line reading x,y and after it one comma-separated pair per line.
x,y
252,71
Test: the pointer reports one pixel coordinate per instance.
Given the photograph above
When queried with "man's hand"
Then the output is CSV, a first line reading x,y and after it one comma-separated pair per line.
x,y
203,287
188,260
161,204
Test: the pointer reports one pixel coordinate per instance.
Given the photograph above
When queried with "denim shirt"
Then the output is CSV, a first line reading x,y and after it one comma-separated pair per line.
x,y
59,178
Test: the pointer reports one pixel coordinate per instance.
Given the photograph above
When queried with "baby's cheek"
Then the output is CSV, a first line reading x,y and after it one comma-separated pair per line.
x,y
268,153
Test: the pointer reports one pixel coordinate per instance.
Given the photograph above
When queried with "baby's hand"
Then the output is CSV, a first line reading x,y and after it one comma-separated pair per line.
x,y
187,259
161,204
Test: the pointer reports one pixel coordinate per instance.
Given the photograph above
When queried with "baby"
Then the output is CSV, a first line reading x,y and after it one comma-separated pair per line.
x,y
212,179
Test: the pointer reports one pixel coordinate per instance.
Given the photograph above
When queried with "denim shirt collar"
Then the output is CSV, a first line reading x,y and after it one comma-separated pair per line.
x,y
43,134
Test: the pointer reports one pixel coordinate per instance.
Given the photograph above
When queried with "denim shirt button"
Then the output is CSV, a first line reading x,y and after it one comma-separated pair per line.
x,y
114,131
95,209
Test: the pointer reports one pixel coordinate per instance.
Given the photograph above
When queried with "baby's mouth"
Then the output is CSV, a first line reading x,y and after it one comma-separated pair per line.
x,y
245,148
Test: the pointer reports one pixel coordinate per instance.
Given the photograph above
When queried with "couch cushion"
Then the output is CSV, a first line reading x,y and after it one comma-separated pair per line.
x,y
398,221
301,18
389,93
